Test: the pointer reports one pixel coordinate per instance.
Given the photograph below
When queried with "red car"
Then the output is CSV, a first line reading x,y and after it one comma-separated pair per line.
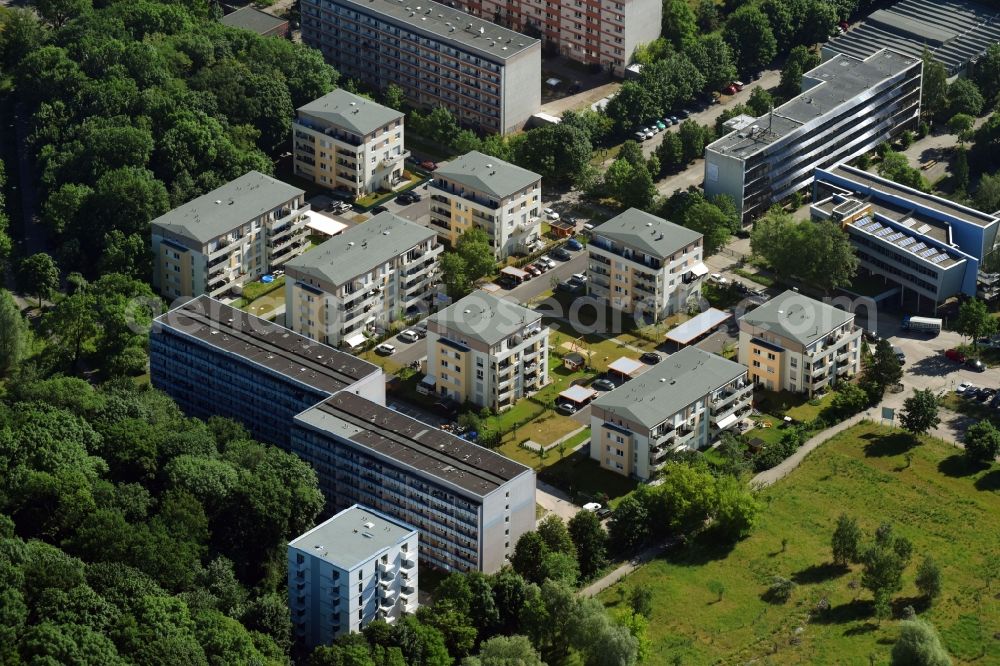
x,y
430,166
954,355
844,25
730,90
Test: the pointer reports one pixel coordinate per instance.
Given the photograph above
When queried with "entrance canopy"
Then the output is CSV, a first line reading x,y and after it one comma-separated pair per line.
x,y
694,328
355,340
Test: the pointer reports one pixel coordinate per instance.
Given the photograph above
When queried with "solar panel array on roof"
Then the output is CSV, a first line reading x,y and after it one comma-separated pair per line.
x,y
895,237
918,247
883,232
909,240
923,228
928,252
939,258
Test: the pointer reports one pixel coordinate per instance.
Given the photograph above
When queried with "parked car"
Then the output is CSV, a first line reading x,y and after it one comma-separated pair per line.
x,y
603,513
408,336
870,336
420,330
592,506
661,125
379,209
964,387
717,278
640,136
385,349
506,282
730,90
570,287
650,134
650,358
404,198
541,265
429,165
550,214
588,227
738,85
534,270
975,364
561,254
416,196
547,260
972,392
574,244
578,278
954,355
603,385
567,408
986,395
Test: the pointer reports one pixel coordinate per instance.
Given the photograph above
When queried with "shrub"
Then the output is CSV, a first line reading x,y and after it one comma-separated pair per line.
x,y
780,590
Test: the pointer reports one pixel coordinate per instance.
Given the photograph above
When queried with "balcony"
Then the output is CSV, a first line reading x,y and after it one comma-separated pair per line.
x,y
627,254
468,196
392,160
684,435
224,249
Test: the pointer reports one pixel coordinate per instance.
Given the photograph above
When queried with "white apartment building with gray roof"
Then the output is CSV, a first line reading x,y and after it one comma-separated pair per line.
x,y
683,402
361,280
228,237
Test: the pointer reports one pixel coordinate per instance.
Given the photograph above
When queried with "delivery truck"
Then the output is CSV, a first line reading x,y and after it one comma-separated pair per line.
x,y
928,325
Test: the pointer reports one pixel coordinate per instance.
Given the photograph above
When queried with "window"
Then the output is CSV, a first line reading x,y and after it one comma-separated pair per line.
x,y
756,351
756,364
794,363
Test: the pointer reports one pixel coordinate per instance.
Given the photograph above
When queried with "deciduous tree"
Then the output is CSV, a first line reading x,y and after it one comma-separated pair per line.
x,y
982,442
38,276
918,645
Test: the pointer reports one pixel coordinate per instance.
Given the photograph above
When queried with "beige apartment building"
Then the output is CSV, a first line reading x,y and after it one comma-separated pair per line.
x,y
487,350
685,401
594,32
228,237
345,142
361,280
642,264
501,199
796,343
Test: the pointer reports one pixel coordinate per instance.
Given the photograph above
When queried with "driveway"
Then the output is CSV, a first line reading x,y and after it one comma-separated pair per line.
x,y
554,501
532,288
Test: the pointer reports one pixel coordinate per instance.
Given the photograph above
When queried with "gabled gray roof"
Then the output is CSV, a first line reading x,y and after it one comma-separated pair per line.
x,y
797,317
484,317
360,248
487,174
670,386
227,207
647,233
351,112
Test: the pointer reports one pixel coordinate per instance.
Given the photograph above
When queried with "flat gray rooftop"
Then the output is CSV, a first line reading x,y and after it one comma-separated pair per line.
x,y
285,352
487,174
484,317
225,208
251,18
647,233
835,82
797,317
360,249
411,443
352,537
670,386
954,31
351,112
449,25
923,199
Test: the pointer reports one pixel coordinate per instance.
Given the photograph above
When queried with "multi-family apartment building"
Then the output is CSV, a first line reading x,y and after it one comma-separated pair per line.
x,y
929,247
847,107
684,402
469,504
216,360
352,569
348,143
489,77
642,264
594,32
361,280
477,190
487,351
796,343
232,235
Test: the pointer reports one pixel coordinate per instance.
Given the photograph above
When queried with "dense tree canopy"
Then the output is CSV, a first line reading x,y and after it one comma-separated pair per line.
x,y
134,534
139,106
817,252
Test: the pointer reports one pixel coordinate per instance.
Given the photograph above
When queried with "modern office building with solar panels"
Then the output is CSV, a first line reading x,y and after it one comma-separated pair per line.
x,y
932,248
469,504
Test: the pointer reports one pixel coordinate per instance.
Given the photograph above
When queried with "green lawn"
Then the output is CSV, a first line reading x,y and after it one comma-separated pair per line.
x,y
754,276
948,510
602,351
584,479
972,408
254,290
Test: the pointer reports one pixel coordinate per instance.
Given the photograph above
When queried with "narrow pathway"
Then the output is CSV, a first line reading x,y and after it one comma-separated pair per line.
x,y
644,556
